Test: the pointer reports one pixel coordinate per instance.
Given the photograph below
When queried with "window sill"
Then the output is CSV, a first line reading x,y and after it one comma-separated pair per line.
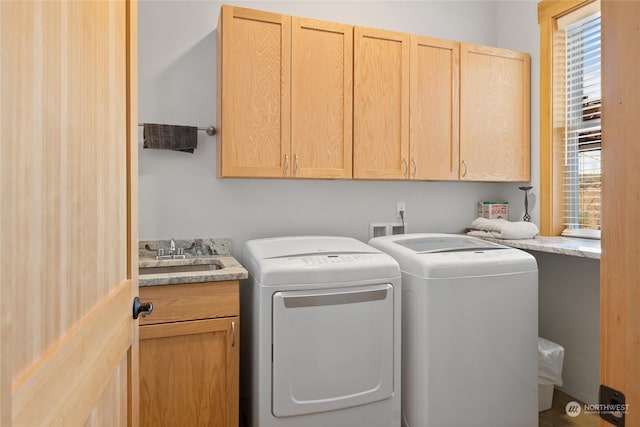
x,y
572,246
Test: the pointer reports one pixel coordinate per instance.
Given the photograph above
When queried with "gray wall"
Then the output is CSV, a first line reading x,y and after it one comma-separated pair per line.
x,y
570,316
180,196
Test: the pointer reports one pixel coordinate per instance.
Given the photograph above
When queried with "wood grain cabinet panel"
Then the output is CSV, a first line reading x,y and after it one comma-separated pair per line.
x,y
321,99
254,90
177,303
494,114
380,104
405,106
285,88
300,98
189,355
434,109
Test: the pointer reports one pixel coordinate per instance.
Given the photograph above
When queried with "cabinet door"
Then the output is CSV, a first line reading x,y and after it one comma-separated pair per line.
x,y
189,373
253,93
380,104
494,114
321,99
434,108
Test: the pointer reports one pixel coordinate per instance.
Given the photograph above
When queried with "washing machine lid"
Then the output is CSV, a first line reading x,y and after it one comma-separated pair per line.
x,y
447,243
300,260
432,255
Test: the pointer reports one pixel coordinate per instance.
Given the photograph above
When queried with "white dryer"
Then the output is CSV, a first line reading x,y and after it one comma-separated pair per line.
x,y
470,328
320,336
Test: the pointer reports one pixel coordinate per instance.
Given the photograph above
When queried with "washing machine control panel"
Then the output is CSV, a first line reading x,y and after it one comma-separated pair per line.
x,y
477,255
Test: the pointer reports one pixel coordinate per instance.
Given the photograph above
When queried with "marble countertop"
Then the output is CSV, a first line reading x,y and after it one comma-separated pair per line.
x,y
572,246
199,251
229,269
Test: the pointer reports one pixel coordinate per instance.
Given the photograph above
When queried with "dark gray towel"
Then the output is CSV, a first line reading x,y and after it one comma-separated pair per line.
x,y
170,137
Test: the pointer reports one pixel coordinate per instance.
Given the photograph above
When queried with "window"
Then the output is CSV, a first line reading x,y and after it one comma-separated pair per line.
x,y
570,108
582,140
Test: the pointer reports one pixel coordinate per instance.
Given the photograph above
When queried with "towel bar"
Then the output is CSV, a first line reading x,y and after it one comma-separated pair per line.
x,y
211,130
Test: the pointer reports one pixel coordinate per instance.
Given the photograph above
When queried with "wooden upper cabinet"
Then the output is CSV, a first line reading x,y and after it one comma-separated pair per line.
x,y
321,99
254,89
380,104
301,98
285,100
494,114
434,109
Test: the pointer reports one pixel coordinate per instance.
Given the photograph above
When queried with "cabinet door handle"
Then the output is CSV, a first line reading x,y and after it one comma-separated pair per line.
x,y
464,165
295,165
405,164
233,334
286,165
415,166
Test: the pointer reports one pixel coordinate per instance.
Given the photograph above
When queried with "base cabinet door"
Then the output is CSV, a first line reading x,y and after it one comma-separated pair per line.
x,y
188,373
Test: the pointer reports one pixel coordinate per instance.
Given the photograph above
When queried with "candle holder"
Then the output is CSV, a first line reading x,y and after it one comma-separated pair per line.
x,y
526,216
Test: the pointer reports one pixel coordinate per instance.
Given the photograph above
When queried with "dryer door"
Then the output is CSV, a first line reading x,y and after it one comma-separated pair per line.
x,y
332,348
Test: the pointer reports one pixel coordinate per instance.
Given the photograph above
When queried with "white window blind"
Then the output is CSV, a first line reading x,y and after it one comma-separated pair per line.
x,y
582,141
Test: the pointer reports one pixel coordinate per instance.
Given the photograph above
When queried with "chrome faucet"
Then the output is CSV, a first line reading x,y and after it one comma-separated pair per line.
x,y
176,254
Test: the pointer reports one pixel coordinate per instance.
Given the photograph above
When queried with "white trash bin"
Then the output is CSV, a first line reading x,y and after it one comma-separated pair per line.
x,y
550,358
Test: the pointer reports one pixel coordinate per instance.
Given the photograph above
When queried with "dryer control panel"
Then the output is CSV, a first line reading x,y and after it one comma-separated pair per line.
x,y
326,267
333,259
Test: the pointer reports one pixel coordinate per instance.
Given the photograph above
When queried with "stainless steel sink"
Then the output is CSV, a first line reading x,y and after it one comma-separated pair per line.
x,y
179,268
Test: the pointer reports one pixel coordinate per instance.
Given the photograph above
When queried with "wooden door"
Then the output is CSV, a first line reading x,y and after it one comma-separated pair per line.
x,y
321,99
69,215
494,114
620,270
254,93
380,104
434,108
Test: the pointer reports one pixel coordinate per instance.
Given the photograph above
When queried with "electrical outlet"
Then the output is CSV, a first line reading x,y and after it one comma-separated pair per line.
x,y
400,207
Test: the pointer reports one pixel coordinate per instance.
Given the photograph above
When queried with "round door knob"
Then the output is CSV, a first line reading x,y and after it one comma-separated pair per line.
x,y
143,309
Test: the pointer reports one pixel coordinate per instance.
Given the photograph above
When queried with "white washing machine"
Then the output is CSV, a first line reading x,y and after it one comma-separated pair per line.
x,y
320,336
470,330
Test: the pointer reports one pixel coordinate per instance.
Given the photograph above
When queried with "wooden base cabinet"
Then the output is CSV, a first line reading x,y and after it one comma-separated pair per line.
x,y
189,355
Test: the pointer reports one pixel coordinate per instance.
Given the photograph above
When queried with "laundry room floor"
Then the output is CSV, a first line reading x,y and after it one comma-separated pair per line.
x,y
557,416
